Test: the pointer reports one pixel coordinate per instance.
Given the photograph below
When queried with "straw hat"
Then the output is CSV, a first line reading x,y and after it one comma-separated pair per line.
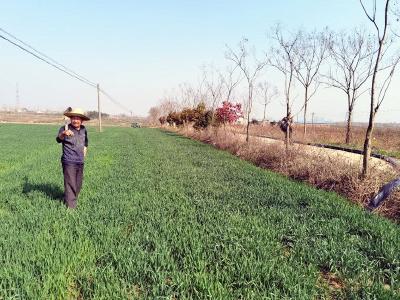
x,y
76,112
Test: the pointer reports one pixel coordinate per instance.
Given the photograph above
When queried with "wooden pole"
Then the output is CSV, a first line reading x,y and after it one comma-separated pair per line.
x,y
98,107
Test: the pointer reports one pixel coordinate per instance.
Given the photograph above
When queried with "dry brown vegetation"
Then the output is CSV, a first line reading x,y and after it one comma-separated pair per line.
x,y
386,139
321,171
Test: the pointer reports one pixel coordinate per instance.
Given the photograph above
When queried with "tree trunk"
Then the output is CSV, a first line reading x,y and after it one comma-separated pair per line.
x,y
305,114
287,140
367,145
350,106
247,128
348,128
250,102
372,112
265,110
287,132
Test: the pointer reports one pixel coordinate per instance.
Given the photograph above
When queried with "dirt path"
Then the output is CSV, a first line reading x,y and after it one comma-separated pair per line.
x,y
331,153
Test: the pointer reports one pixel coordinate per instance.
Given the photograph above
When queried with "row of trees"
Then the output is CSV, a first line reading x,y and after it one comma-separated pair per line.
x,y
353,61
201,117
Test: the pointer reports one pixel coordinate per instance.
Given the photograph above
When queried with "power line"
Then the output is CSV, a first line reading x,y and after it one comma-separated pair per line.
x,y
46,56
114,101
47,62
50,61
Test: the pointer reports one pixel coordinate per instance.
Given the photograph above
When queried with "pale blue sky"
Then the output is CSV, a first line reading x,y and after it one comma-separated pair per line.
x,y
137,50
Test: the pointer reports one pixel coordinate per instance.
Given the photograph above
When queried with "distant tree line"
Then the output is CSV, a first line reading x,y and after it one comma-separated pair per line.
x,y
201,118
93,114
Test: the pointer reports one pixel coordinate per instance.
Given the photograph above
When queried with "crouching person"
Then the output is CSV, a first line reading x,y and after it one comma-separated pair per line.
x,y
74,139
286,126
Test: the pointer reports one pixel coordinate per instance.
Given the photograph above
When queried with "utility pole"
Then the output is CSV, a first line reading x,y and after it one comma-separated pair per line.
x,y
98,107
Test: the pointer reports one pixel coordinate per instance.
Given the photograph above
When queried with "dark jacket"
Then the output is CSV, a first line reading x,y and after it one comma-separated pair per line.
x,y
73,145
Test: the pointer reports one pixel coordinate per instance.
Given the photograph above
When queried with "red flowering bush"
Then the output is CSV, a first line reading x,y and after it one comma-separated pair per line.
x,y
229,112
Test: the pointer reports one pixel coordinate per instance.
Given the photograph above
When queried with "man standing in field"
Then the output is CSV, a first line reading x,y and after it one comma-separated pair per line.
x,y
74,141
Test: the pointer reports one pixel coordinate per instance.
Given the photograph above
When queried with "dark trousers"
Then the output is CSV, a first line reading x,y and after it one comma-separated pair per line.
x,y
73,176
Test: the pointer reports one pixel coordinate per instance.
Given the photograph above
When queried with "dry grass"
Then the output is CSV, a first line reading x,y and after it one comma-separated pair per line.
x,y
386,139
322,171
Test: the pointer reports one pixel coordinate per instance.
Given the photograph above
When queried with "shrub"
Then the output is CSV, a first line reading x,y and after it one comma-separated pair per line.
x,y
188,115
174,118
162,120
229,112
203,120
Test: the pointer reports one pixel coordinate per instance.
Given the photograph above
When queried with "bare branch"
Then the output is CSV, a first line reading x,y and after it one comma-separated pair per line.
x,y
250,72
282,57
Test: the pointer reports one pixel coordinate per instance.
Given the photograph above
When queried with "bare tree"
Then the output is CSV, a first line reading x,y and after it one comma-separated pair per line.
x,y
378,90
267,93
201,92
187,95
250,72
311,51
214,83
231,79
282,57
353,56
168,104
154,115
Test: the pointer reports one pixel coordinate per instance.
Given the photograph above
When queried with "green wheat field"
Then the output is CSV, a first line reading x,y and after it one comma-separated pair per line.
x,y
163,217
